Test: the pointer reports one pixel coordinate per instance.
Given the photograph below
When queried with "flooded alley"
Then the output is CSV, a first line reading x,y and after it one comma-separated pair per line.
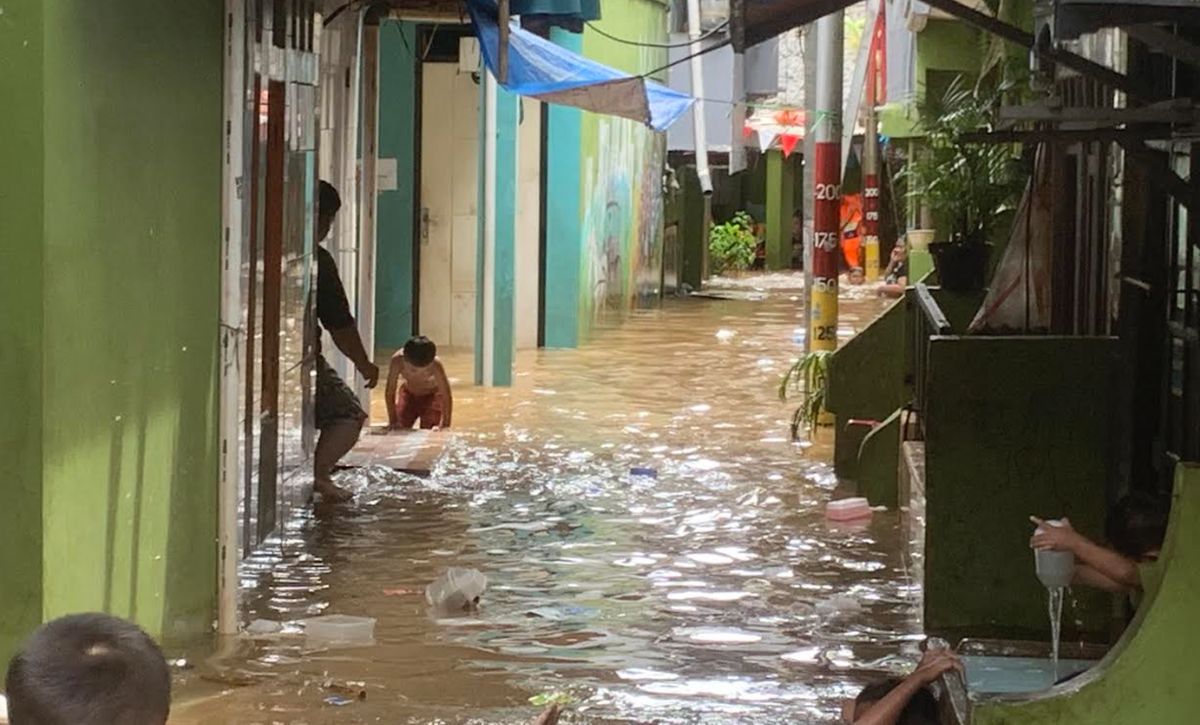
x,y
716,592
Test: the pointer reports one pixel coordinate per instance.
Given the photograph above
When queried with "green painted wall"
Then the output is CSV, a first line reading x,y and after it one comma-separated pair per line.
x,y
120,254
621,165
866,381
563,216
1014,426
1150,676
782,178
395,223
879,462
21,263
947,45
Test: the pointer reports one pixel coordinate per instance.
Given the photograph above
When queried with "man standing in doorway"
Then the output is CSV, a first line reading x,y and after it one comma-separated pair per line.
x,y
339,415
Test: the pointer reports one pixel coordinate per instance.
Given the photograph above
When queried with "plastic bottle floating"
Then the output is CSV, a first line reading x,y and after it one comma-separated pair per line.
x,y
848,509
457,590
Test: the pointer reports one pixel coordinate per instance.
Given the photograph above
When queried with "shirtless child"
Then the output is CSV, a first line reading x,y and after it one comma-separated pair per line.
x,y
425,393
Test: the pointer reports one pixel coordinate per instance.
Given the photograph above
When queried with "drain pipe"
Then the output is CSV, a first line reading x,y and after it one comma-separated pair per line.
x,y
701,145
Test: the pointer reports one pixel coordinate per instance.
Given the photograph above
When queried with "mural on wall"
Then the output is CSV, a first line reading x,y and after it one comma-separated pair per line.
x,y
622,221
621,188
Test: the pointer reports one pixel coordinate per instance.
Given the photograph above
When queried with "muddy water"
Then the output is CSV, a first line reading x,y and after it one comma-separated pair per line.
x,y
714,593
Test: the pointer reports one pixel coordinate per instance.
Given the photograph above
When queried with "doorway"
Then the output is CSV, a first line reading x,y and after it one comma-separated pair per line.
x,y
448,218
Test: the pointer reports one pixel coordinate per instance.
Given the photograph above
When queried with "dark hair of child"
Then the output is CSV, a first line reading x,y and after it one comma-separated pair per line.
x,y
922,709
1137,524
88,669
420,351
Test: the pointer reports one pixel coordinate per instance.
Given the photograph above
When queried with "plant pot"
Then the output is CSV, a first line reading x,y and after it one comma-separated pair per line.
x,y
919,239
961,266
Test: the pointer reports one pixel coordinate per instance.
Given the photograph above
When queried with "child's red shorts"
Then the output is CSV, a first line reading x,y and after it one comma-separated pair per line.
x,y
412,408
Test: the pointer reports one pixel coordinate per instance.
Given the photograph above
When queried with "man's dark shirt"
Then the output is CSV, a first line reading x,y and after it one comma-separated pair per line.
x,y
333,309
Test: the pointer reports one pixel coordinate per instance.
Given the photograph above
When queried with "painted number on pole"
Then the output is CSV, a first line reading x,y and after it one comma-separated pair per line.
x,y
827,192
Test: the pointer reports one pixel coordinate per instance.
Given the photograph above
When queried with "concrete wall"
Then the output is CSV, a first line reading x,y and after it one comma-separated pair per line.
x,y
866,381
115,311
621,168
563,216
1014,426
396,226
22,259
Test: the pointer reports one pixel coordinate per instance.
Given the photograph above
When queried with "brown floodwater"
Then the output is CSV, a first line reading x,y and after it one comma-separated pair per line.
x,y
716,592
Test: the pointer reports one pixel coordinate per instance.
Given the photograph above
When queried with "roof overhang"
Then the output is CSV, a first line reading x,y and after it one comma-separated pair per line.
x,y
766,19
1073,18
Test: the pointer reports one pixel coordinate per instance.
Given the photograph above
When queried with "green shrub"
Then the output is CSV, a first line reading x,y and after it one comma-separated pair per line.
x,y
731,245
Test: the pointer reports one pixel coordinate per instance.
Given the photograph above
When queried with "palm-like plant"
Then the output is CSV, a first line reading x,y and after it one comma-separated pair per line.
x,y
965,184
808,377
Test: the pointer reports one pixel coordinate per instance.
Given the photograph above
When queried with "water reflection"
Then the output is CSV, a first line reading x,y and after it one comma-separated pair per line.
x,y
714,591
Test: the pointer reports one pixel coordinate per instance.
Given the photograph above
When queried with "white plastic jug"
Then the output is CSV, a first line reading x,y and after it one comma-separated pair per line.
x,y
1055,569
456,590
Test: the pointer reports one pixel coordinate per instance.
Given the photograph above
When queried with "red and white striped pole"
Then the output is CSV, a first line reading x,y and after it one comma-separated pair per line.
x,y
827,185
871,206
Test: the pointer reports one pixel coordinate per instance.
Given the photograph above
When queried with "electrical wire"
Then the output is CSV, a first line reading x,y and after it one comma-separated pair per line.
x,y
640,44
685,59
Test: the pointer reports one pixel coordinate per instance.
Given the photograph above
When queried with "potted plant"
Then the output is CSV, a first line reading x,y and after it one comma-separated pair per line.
x,y
732,245
967,186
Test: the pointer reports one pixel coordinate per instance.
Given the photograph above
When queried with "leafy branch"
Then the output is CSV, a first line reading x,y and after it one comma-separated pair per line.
x,y
809,378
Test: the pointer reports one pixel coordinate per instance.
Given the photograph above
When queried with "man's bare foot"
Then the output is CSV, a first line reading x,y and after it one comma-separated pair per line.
x,y
331,493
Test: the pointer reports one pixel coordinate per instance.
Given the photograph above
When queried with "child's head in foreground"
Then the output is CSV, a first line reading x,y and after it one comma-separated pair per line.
x,y
1137,525
856,275
88,669
922,709
420,351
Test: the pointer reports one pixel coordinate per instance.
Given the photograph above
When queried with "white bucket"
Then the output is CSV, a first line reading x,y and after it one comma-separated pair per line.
x,y
919,239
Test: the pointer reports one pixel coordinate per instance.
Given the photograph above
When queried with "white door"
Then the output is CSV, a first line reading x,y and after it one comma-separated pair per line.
x,y
529,223
449,196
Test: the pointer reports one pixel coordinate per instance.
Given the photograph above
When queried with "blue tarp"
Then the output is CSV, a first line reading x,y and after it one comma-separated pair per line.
x,y
540,69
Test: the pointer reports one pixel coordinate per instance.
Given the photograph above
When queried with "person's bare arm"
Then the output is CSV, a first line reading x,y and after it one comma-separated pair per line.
x,y
887,711
894,289
350,343
443,384
1089,577
389,390
1115,567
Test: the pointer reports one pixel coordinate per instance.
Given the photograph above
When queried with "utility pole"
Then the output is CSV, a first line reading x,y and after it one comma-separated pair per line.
x,y
870,165
809,40
825,127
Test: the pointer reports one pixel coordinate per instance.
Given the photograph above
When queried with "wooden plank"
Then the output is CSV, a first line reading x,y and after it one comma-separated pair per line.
x,y
414,452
